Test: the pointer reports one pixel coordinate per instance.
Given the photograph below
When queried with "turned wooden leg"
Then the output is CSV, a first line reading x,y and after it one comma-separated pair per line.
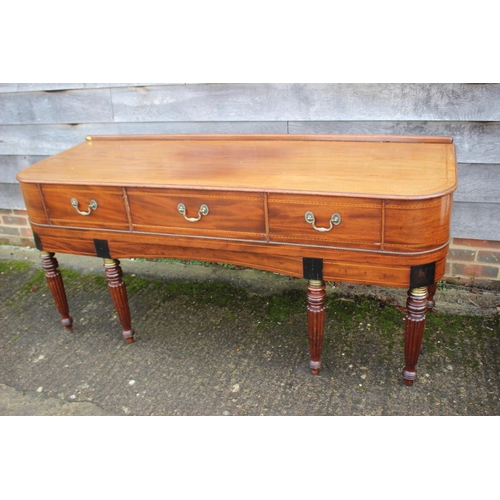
x,y
416,307
316,298
56,285
431,290
118,293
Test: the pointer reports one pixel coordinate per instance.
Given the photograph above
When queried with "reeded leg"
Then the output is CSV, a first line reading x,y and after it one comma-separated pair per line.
x,y
316,298
56,285
431,290
118,293
416,307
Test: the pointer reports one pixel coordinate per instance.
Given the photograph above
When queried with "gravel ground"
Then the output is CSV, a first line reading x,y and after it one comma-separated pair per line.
x,y
217,341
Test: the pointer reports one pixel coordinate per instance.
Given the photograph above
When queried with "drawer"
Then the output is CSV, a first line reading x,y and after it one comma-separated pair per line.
x,y
99,207
418,225
331,221
216,214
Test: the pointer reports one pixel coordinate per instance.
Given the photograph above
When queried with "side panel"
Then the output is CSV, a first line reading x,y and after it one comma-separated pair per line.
x,y
417,225
34,203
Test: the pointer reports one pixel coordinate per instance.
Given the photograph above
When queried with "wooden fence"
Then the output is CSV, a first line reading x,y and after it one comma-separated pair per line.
x,y
38,120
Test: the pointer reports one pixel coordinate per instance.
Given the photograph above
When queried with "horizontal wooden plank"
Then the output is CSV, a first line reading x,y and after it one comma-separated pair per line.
x,y
69,106
249,102
478,183
476,142
35,87
52,139
308,101
477,221
10,165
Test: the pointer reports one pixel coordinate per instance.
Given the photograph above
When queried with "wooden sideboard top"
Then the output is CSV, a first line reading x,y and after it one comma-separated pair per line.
x,y
282,203
368,166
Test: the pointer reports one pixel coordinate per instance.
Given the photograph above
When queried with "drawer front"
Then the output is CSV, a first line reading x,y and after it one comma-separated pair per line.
x,y
216,214
329,221
417,225
86,206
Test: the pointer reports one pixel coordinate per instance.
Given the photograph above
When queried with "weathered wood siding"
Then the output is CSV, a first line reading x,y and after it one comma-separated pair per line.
x,y
38,120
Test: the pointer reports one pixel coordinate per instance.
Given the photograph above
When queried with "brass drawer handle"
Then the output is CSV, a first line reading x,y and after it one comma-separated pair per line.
x,y
92,206
181,208
335,220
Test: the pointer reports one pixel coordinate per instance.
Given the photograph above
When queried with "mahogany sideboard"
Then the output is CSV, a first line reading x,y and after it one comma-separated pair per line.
x,y
363,209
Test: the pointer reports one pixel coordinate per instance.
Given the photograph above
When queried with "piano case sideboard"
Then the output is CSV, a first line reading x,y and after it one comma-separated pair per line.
x,y
363,209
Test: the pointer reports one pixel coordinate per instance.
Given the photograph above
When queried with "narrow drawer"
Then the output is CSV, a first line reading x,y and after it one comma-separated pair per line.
x,y
217,214
85,206
329,221
417,225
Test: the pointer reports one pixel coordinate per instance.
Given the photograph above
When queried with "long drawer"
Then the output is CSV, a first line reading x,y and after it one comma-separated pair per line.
x,y
208,213
325,220
85,206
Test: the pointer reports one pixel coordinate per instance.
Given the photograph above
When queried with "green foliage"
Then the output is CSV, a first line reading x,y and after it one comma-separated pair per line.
x,y
283,306
36,281
191,263
14,266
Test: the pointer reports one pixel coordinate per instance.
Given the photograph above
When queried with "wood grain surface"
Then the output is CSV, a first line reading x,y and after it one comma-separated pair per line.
x,y
393,199
329,165
42,119
128,103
